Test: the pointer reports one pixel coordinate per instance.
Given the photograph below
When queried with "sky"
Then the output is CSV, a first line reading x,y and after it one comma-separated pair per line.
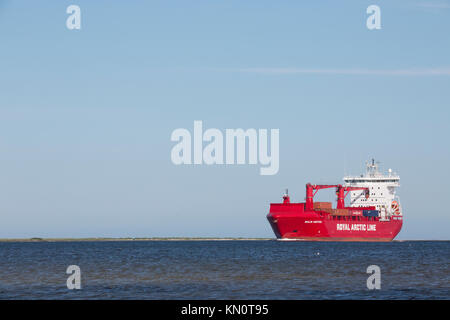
x,y
86,116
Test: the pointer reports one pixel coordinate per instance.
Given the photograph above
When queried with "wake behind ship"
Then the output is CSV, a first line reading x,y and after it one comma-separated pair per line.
x,y
374,213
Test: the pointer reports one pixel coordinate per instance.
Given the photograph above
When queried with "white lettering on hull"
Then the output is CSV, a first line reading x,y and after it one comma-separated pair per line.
x,y
356,227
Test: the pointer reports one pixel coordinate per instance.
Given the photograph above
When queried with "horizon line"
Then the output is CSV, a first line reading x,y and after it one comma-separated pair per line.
x,y
106,239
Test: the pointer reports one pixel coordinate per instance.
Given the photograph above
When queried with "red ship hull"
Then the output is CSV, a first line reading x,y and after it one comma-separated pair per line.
x,y
292,221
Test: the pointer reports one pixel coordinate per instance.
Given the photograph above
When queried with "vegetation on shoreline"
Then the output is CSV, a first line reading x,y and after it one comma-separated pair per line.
x,y
35,239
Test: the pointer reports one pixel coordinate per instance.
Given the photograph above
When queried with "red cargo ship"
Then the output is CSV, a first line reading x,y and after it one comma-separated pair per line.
x,y
374,213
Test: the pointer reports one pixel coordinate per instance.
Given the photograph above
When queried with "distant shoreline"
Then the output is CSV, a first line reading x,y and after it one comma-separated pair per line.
x,y
130,239
154,239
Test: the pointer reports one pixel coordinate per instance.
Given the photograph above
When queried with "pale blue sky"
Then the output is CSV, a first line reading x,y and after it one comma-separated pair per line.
x,y
86,116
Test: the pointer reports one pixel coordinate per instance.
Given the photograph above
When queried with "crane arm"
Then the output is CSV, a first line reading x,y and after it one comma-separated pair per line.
x,y
341,194
318,187
310,192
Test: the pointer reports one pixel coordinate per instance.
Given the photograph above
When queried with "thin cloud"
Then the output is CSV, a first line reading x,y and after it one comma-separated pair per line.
x,y
375,72
434,5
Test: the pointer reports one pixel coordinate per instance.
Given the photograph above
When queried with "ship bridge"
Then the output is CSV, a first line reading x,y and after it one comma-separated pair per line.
x,y
381,189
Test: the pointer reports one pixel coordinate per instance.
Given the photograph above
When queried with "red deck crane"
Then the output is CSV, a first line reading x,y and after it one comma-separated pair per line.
x,y
310,193
340,192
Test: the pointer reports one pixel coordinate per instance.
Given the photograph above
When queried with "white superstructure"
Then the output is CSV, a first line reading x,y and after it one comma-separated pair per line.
x,y
381,191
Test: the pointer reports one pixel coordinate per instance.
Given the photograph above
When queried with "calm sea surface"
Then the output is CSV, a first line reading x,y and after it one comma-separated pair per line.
x,y
224,270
